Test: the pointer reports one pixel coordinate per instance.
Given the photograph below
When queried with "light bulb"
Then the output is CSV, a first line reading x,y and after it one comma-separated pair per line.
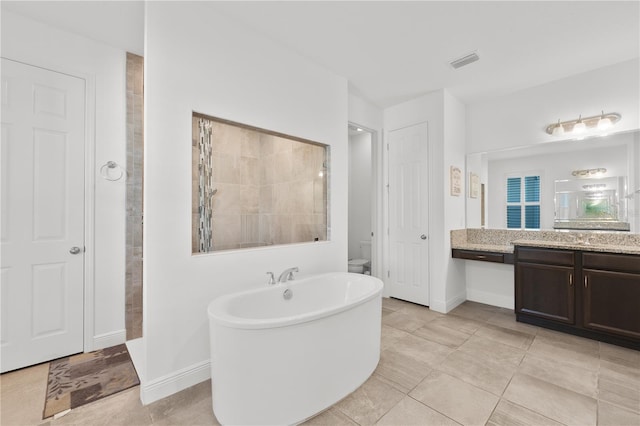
x,y
604,123
579,127
558,130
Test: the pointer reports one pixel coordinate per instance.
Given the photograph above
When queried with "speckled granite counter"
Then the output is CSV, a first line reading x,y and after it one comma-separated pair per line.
x,y
503,240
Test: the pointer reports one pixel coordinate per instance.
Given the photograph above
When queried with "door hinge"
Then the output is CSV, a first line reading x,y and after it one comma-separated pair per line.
x,y
388,274
387,147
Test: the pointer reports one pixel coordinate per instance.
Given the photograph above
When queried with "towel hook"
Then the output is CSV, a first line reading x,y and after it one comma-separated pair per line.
x,y
105,171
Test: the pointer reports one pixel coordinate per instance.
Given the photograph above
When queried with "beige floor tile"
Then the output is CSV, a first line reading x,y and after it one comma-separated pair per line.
x,y
620,374
330,417
22,395
514,338
370,401
443,335
421,350
481,347
457,323
569,341
610,415
555,402
566,352
179,402
475,311
386,312
460,401
508,320
619,395
411,412
479,372
567,376
402,321
393,304
389,336
619,355
508,414
421,313
401,371
197,413
123,408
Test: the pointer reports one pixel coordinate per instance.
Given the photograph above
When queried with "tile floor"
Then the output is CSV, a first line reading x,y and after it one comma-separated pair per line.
x,y
474,366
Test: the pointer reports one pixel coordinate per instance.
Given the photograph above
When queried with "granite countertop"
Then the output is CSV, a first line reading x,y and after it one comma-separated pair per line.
x,y
502,240
495,248
605,248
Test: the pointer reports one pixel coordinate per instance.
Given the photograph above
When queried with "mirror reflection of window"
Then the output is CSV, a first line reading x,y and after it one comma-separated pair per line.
x,y
523,202
254,188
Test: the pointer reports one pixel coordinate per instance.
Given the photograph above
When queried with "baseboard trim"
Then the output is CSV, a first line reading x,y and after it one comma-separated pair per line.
x,y
490,298
107,340
454,302
169,384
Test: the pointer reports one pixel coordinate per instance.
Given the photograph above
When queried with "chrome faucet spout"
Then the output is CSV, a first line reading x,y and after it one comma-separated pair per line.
x,y
287,275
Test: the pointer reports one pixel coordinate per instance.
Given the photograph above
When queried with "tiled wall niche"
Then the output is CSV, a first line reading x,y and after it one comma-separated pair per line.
x,y
252,187
135,151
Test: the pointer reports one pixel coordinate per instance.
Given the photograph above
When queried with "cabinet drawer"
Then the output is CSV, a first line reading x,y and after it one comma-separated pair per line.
x,y
478,255
547,256
611,262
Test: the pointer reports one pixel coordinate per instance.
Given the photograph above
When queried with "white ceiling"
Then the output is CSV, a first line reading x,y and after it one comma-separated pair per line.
x,y
391,51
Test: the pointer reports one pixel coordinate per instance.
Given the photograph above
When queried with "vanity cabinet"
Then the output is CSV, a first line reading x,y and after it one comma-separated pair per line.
x,y
591,294
611,293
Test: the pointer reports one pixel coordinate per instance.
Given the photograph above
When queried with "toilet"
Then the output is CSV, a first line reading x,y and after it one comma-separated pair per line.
x,y
363,264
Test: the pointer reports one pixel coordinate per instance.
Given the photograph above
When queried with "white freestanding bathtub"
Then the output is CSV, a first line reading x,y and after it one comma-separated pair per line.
x,y
276,361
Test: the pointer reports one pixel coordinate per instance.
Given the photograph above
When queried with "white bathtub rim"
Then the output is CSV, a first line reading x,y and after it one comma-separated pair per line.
x,y
217,308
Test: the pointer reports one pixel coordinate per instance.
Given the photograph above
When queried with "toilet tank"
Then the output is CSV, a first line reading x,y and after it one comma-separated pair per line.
x,y
365,249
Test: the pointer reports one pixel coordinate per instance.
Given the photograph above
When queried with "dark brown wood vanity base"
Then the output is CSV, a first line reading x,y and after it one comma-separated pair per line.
x,y
585,293
483,256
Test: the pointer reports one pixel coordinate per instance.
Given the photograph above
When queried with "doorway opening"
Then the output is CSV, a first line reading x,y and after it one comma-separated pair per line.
x,y
361,204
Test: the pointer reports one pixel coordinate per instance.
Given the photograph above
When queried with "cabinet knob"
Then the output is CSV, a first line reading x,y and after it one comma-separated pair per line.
x,y
585,282
570,279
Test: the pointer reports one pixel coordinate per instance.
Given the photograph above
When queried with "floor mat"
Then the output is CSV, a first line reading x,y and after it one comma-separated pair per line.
x,y
80,379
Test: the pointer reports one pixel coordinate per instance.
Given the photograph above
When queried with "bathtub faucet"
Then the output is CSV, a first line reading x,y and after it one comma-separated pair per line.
x,y
287,275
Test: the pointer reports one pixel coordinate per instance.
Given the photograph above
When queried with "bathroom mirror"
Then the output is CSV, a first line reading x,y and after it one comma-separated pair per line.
x,y
253,187
618,153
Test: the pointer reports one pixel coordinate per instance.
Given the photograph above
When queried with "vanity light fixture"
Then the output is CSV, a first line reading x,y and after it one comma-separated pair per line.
x,y
601,122
594,187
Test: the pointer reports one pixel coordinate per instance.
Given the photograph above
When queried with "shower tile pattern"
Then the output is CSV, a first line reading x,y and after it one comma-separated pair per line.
x,y
135,169
270,189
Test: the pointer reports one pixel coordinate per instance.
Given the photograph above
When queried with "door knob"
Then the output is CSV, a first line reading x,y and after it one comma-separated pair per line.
x,y
423,237
74,250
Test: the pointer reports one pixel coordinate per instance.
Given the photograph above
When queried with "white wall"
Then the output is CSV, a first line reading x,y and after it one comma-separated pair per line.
x,y
521,117
360,191
198,59
446,123
103,68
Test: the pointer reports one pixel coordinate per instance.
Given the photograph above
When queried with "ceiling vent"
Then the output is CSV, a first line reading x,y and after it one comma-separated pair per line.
x,y
465,60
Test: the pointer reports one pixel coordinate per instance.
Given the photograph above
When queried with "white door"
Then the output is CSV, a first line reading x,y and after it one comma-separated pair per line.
x,y
42,232
408,276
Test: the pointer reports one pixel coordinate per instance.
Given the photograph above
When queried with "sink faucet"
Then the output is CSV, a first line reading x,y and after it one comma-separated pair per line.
x,y
287,275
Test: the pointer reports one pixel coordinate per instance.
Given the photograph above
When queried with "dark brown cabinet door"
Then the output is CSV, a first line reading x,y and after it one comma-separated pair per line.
x,y
545,291
612,302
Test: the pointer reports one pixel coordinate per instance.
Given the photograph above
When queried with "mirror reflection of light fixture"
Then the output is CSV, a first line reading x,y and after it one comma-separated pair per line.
x,y
589,172
601,122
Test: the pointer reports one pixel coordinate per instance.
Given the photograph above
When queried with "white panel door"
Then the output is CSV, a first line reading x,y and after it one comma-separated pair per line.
x,y
408,277
42,233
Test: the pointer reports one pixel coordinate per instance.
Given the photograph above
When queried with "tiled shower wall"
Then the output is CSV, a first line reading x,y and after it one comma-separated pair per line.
x,y
135,150
271,190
